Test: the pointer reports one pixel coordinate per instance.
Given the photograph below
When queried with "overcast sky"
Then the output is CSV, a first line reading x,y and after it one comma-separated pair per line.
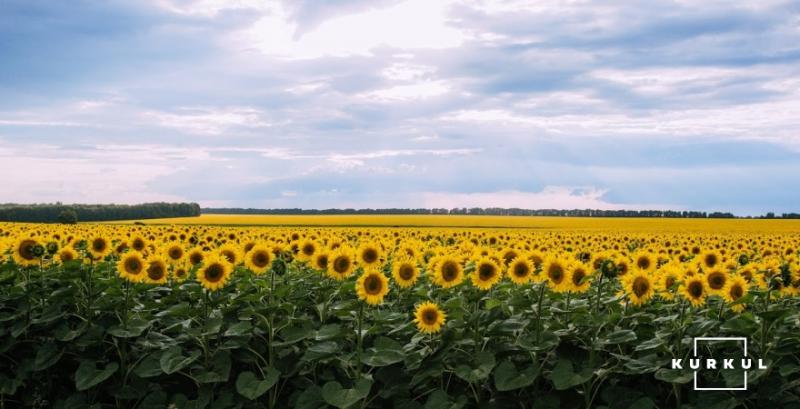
x,y
382,103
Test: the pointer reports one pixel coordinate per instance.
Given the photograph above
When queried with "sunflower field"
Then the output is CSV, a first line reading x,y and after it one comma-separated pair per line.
x,y
199,316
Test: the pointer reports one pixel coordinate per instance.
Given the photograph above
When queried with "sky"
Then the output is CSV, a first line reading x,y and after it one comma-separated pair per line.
x,y
684,105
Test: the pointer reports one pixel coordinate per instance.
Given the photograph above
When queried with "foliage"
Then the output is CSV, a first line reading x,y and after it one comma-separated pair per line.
x,y
75,334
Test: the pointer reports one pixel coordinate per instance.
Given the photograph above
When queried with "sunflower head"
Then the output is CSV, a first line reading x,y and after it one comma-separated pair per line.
x,y
259,259
67,254
487,273
132,266
370,255
694,290
341,264
174,252
195,256
735,288
156,270
372,286
27,252
231,253
98,247
448,272
180,272
429,318
320,260
555,272
579,277
214,273
405,272
306,249
639,287
520,270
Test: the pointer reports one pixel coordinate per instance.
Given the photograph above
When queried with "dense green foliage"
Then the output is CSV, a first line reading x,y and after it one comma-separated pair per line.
x,y
51,213
77,335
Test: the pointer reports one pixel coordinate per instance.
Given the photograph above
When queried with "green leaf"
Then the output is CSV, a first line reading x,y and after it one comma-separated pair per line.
x,y
149,366
479,370
643,403
239,329
335,395
619,336
173,360
650,344
564,377
674,375
385,352
47,356
321,350
249,386
507,377
220,369
134,329
88,375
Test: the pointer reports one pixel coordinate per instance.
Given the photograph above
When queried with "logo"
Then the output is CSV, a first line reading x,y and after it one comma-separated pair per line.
x,y
729,367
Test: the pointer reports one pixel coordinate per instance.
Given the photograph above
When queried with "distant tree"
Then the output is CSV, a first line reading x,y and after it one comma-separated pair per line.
x,y
68,216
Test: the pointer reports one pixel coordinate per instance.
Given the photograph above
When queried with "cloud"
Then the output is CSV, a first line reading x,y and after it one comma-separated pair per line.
x,y
551,197
383,103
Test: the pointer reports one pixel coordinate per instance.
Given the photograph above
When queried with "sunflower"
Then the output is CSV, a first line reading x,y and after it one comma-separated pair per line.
x,y
487,273
448,272
132,266
258,259
67,254
555,272
579,277
231,253
735,288
429,318
715,281
156,270
138,243
306,250
520,270
694,290
214,273
180,272
709,260
622,265
668,276
195,256
405,272
27,252
369,255
174,252
372,286
341,264
320,260
639,286
98,247
644,261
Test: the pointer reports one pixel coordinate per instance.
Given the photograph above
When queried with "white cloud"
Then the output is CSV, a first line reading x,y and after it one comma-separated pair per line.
x,y
412,24
421,90
551,197
209,121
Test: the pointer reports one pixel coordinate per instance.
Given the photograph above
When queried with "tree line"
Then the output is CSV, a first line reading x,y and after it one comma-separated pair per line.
x,y
61,213
499,211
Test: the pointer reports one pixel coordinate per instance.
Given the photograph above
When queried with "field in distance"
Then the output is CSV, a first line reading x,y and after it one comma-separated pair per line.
x,y
464,221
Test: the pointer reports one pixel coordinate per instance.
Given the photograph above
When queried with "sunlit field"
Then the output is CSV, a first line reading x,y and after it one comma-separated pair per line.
x,y
545,223
554,312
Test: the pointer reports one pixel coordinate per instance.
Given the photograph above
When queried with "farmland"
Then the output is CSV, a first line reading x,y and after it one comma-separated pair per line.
x,y
405,311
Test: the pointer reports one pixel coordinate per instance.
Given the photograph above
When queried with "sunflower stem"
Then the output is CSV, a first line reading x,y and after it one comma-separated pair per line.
x,y
539,311
599,291
359,339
